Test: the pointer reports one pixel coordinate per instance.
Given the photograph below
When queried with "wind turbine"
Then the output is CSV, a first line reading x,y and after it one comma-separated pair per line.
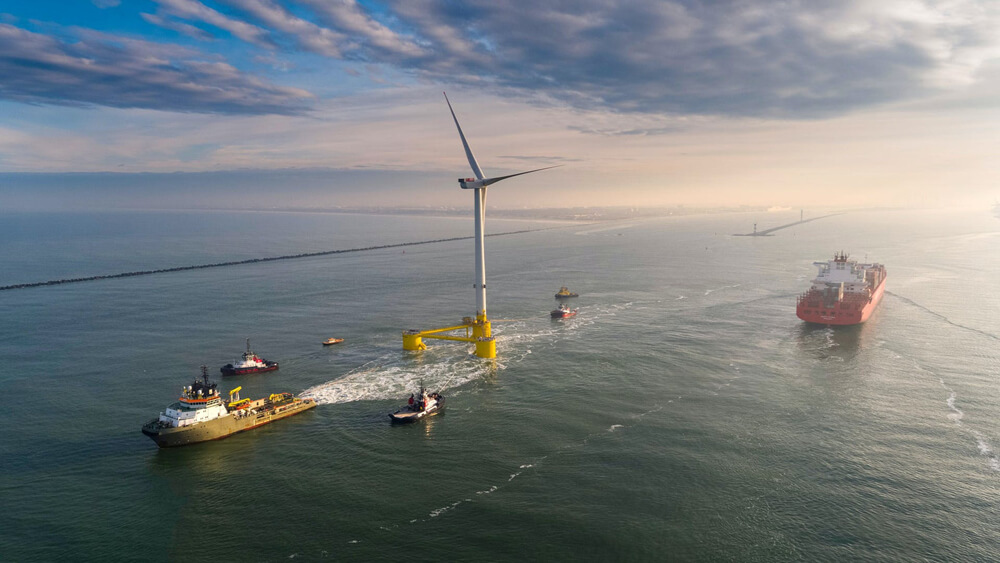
x,y
481,332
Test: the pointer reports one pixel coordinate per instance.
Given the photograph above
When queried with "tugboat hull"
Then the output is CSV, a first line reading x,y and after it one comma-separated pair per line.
x,y
406,415
228,369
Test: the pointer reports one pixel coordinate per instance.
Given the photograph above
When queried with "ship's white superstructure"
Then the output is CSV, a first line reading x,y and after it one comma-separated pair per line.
x,y
195,406
842,271
249,361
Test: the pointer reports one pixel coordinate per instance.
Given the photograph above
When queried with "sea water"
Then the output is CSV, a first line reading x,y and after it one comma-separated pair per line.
x,y
684,414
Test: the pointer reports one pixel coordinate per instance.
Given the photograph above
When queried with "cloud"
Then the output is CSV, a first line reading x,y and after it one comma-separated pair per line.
x,y
735,57
194,10
93,68
180,27
350,17
793,59
543,159
304,33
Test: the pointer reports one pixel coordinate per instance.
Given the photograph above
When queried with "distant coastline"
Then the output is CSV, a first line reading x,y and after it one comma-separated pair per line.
x,y
568,214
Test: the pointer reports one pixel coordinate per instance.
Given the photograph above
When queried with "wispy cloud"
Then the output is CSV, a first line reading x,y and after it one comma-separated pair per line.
x,y
794,59
179,27
737,57
350,17
750,58
304,33
93,68
196,11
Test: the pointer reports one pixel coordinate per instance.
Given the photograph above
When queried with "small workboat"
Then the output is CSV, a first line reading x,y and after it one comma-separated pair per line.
x,y
331,341
251,363
564,312
420,406
565,293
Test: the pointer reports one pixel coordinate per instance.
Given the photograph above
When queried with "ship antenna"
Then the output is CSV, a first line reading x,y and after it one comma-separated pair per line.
x,y
204,374
248,345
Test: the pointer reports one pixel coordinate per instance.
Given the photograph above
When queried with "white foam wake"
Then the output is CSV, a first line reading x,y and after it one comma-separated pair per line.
x,y
982,443
528,466
710,291
394,375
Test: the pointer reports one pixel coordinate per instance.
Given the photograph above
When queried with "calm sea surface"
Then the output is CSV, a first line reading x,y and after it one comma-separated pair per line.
x,y
685,414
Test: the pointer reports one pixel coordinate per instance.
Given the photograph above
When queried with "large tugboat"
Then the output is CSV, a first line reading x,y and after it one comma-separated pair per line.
x,y
251,363
843,293
201,414
565,293
564,312
423,405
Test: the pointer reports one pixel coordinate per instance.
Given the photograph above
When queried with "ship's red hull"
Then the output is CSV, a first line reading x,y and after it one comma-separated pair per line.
x,y
228,369
851,310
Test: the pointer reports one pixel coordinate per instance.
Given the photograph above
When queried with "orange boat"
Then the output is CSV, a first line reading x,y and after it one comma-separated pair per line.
x,y
843,293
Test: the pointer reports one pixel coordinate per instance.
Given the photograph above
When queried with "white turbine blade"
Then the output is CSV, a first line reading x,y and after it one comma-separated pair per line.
x,y
489,181
468,151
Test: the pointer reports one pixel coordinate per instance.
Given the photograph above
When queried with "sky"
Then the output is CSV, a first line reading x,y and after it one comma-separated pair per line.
x,y
321,103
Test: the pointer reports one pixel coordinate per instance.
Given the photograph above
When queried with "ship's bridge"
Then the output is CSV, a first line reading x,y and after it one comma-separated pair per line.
x,y
187,411
836,272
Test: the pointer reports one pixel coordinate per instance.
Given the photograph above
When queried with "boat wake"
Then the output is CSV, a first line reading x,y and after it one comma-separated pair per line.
x,y
942,317
956,416
524,467
711,291
392,377
445,366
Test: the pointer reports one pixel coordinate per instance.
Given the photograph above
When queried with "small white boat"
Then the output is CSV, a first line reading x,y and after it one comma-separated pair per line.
x,y
420,406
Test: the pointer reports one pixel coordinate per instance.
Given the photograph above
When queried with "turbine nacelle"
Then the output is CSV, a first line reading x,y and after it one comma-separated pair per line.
x,y
470,183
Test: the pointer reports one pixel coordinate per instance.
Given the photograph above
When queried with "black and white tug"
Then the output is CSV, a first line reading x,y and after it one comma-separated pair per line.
x,y
420,406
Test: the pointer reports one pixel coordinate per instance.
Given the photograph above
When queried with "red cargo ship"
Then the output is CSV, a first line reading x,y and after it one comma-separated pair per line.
x,y
844,292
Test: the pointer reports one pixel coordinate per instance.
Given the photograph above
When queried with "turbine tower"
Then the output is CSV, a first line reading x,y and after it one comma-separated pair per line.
x,y
482,333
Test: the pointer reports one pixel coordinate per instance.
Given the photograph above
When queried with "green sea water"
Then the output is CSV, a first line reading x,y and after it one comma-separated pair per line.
x,y
685,414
